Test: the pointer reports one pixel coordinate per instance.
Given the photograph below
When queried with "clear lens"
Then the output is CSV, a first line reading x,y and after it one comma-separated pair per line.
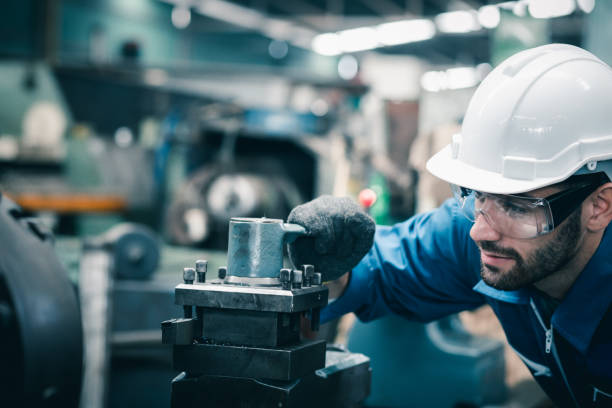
x,y
513,216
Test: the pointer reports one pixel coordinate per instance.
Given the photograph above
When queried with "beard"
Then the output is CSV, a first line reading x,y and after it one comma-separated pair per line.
x,y
541,263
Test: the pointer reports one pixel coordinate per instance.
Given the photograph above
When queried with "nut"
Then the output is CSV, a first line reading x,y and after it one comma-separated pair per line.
x,y
188,275
222,272
285,278
308,272
296,279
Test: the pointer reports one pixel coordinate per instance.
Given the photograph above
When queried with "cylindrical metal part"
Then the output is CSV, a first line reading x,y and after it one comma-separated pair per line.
x,y
188,275
308,272
255,246
316,278
201,267
222,272
285,278
296,279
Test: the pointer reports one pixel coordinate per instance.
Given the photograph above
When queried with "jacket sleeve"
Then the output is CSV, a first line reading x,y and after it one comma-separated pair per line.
x,y
423,269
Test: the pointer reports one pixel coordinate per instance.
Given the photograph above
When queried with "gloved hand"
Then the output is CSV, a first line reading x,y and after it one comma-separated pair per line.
x,y
340,233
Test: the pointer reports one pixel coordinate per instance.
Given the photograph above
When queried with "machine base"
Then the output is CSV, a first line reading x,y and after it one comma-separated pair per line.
x,y
344,382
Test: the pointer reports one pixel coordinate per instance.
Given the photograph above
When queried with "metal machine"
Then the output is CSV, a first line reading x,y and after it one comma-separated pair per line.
x,y
41,348
242,345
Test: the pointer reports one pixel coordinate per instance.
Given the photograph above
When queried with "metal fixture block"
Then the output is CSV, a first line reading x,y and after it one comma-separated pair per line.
x,y
178,331
283,363
264,299
247,327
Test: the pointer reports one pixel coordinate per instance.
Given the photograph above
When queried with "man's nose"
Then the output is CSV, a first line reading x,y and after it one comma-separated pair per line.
x,y
482,230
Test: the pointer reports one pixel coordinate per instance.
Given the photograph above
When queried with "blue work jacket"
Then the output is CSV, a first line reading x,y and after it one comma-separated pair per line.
x,y
428,267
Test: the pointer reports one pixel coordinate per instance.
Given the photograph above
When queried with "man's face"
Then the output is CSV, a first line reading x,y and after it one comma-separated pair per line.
x,y
510,264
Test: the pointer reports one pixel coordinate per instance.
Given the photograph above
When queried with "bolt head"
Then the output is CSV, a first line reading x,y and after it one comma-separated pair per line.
x,y
201,266
189,275
308,270
316,278
297,276
222,272
285,275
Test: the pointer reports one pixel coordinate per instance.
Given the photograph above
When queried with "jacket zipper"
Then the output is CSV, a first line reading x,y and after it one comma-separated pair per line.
x,y
547,331
551,349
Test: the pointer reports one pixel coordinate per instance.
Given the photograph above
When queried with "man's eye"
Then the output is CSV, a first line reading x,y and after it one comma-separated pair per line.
x,y
513,209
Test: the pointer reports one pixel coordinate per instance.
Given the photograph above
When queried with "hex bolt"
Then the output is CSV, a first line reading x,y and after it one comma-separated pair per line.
x,y
296,279
189,275
316,278
285,278
308,272
201,267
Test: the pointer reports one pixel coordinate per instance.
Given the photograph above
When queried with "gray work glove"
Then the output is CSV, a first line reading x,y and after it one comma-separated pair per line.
x,y
340,233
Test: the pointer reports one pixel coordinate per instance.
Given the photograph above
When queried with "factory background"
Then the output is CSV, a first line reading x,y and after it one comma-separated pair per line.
x,y
145,125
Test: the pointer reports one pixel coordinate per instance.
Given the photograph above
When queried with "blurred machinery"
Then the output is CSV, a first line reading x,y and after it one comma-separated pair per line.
x,y
439,364
34,120
242,346
41,344
201,209
248,351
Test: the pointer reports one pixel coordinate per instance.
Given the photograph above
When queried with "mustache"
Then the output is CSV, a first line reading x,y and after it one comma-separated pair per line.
x,y
491,246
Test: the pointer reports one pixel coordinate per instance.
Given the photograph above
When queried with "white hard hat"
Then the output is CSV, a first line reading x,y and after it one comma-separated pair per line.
x,y
541,116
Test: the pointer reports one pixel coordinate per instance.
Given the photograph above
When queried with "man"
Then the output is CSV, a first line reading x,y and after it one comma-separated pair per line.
x,y
527,232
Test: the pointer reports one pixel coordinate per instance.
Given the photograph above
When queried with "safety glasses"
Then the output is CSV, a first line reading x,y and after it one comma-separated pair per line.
x,y
523,217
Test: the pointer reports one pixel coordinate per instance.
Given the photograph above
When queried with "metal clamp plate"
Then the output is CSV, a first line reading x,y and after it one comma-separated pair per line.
x,y
263,299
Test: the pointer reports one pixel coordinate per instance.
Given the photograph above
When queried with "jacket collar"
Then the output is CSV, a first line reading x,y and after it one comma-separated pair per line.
x,y
518,297
585,305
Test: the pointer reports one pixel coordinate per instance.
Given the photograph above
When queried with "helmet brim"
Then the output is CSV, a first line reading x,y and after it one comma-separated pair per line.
x,y
454,171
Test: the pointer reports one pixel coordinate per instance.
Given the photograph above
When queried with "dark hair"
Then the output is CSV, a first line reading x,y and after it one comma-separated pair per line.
x,y
599,178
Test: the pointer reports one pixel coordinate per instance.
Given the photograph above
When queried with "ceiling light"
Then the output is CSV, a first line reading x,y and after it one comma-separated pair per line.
x,y
301,36
520,8
327,44
181,16
489,16
277,29
452,78
348,67
586,5
459,78
358,39
231,13
405,31
551,8
457,22
432,81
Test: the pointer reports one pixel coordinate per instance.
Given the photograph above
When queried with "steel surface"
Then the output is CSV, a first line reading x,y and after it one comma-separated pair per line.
x,y
281,363
265,299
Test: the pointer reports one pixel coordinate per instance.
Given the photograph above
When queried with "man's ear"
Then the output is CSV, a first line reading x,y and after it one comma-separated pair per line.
x,y
601,208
